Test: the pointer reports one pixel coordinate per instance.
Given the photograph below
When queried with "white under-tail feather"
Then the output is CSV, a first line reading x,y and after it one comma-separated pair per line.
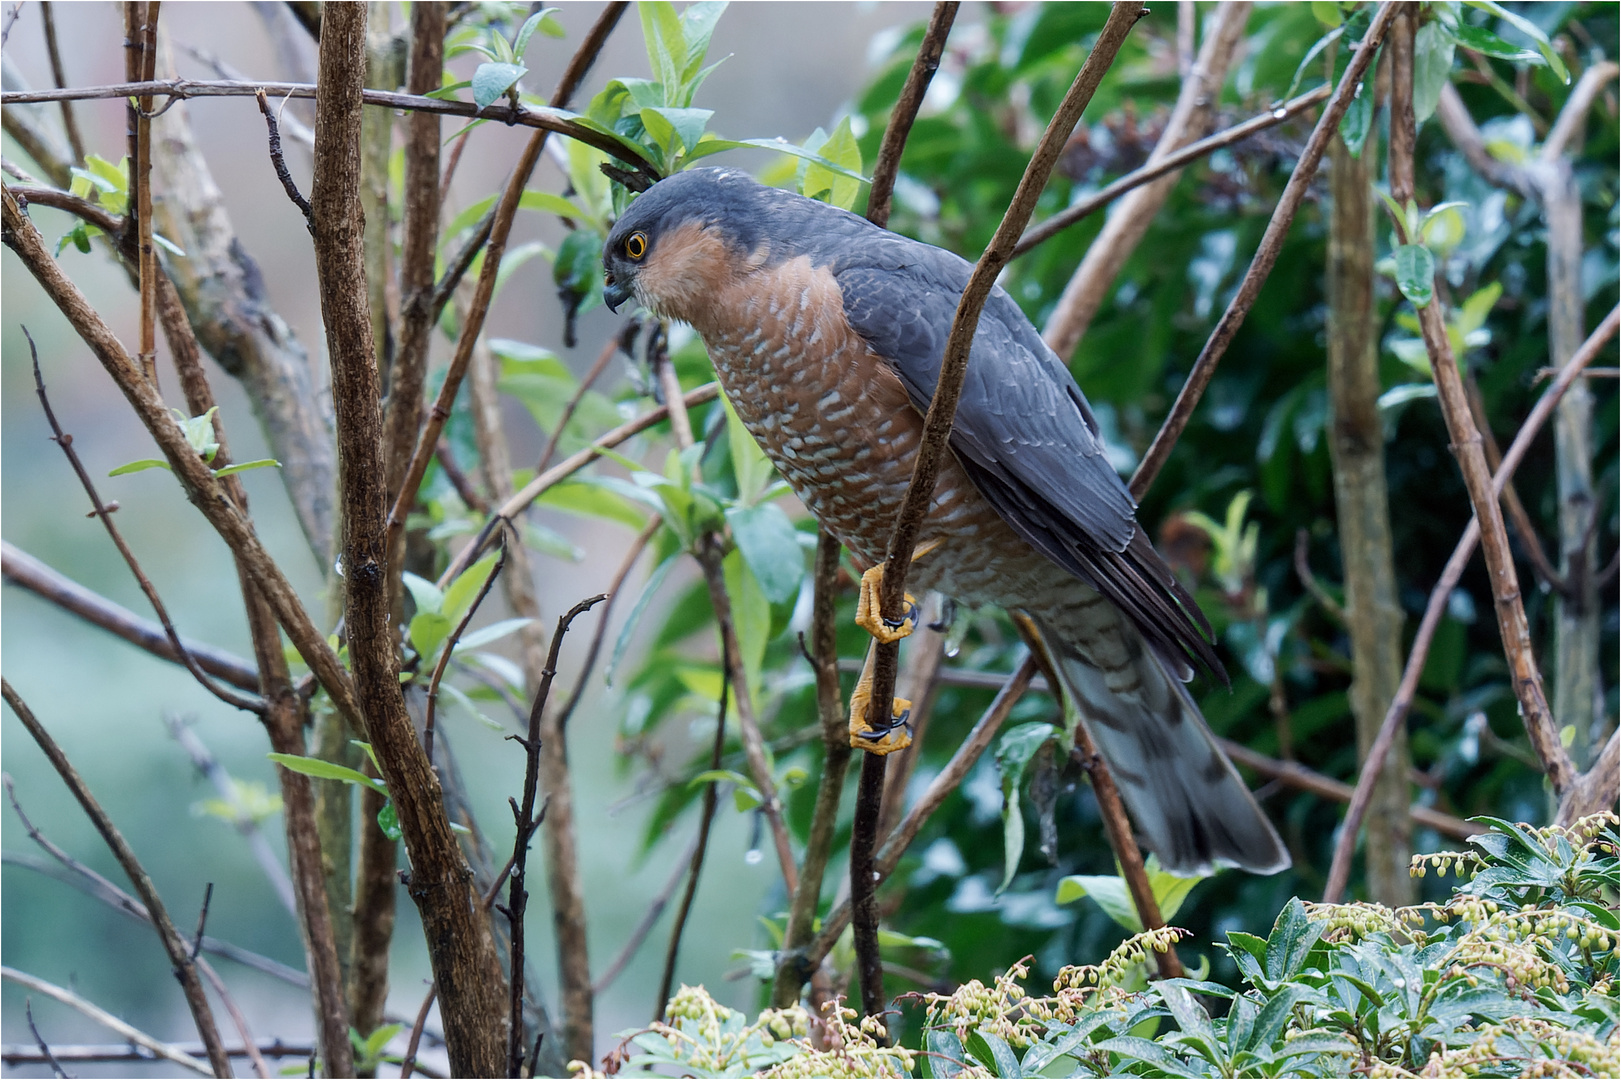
x,y
1187,800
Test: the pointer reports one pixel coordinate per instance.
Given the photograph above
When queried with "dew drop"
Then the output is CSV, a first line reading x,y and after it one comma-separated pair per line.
x,y
753,856
1279,114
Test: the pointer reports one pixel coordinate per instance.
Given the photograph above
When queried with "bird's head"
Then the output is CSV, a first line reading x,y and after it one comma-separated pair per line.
x,y
683,239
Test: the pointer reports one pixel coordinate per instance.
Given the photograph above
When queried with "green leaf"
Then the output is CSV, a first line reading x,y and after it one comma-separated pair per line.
x,y
448,93
468,706
697,26
634,619
1170,890
686,124
770,545
1109,892
493,632
666,44
199,432
661,131
459,594
751,616
1479,39
750,467
838,188
491,81
993,1052
1415,273
244,466
428,631
1433,49
530,25
1312,53
424,592
388,819
1530,30
1013,753
1291,941
545,200
578,267
326,770
587,498
140,466
1358,119
781,145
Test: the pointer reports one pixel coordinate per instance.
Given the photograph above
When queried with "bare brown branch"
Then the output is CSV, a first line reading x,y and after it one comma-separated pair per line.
x,y
904,113
1266,255
178,949
1340,869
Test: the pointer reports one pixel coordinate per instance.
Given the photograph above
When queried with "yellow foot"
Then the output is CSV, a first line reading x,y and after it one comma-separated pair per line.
x,y
896,735
868,617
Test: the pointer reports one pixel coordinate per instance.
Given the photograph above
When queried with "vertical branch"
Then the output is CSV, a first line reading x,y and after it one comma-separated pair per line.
x,y
506,209
792,971
695,865
1362,500
937,429
524,818
70,122
459,944
1266,255
905,111
1130,218
177,948
1581,790
1466,446
143,29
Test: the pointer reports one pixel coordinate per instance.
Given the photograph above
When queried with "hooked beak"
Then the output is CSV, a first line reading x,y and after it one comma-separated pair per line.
x,y
614,293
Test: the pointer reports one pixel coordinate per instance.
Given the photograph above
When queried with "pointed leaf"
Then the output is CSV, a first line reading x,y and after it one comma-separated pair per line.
x,y
326,770
491,81
140,466
634,619
770,545
493,632
424,592
1415,273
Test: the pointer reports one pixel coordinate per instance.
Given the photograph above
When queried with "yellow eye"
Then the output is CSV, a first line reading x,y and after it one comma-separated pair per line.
x,y
636,245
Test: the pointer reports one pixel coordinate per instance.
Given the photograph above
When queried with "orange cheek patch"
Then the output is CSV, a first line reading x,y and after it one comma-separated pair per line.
x,y
686,270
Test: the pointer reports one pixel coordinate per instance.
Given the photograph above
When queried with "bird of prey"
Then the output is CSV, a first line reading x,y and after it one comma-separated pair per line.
x,y
826,333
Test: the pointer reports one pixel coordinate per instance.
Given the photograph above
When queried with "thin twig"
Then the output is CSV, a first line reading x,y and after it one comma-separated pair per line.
x,y
232,697
526,822
141,181
824,652
1309,580
280,163
459,479
904,113
1090,204
1266,255
539,117
1345,844
1530,542
955,772
598,366
449,647
173,943
942,408
506,210
39,1040
408,1063
650,918
226,786
637,546
70,123
564,469
695,863
108,1020
22,569
11,20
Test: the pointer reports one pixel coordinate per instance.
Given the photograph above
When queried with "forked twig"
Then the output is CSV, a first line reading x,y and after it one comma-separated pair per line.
x,y
235,698
1345,844
173,943
526,821
695,864
937,430
1266,255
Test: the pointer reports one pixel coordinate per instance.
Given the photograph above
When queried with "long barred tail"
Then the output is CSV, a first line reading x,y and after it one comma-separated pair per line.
x,y
1185,797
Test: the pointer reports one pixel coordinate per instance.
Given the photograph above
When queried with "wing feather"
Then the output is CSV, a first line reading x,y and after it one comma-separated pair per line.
x,y
1023,432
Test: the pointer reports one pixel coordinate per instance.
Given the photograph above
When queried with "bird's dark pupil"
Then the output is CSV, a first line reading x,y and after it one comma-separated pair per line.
x,y
635,246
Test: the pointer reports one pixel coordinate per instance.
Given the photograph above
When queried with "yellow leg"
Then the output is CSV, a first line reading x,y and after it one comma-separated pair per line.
x,y
863,736
868,613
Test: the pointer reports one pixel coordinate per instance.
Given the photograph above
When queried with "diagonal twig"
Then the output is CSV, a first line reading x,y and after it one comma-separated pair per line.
x,y
906,108
22,569
695,863
232,697
39,1040
70,123
1266,255
173,943
1344,845
449,646
108,1020
661,900
926,467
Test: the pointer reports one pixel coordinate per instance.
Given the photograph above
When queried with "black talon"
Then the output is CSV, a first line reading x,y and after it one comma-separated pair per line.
x,y
910,617
948,616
